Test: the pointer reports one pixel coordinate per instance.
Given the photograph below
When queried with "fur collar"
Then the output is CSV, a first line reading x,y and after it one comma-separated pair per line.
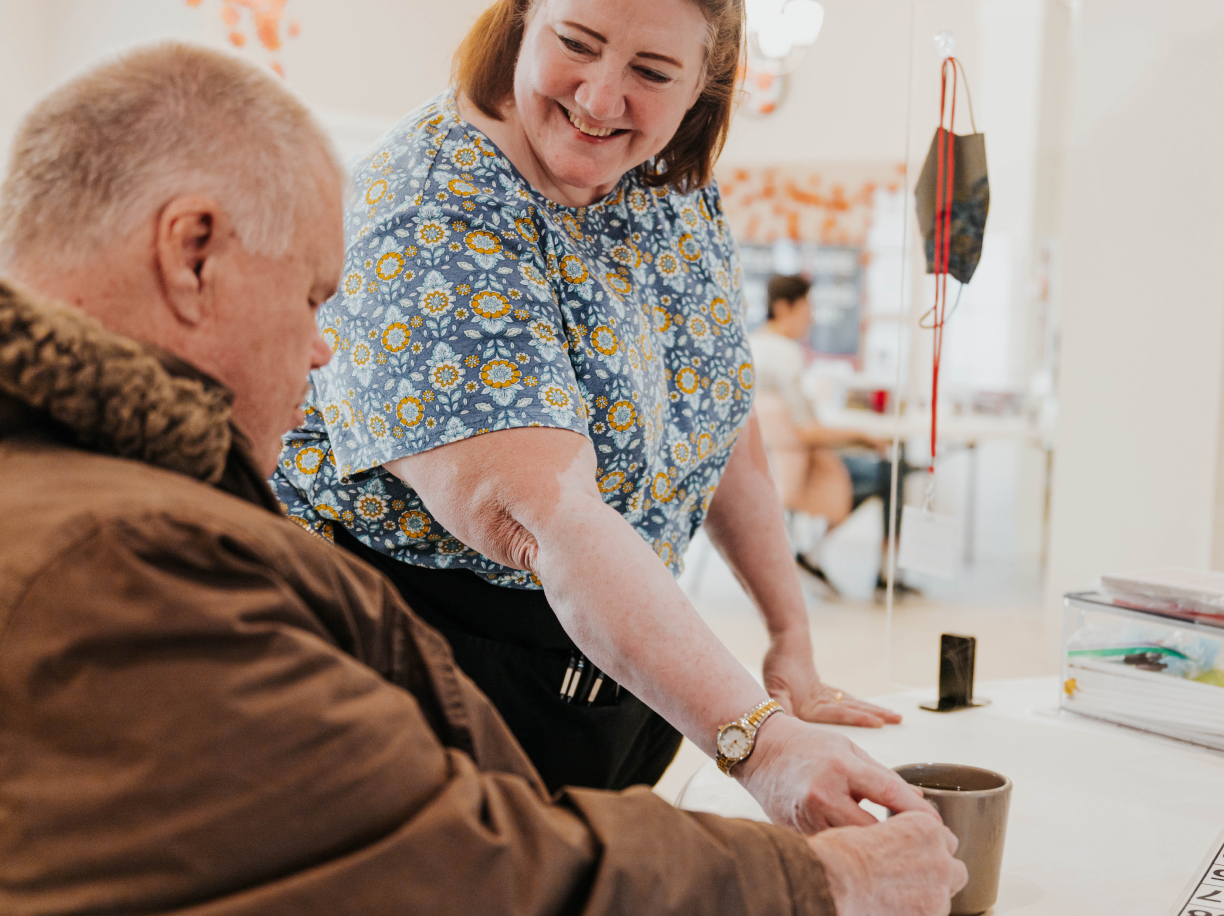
x,y
110,393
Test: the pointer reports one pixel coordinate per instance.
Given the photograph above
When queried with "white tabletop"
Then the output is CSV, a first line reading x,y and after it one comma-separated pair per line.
x,y
1104,820
953,428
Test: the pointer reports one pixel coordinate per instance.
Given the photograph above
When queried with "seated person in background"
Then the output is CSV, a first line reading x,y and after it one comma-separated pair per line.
x,y
206,708
819,481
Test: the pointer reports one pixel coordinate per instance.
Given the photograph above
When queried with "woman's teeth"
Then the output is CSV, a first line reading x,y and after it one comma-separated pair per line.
x,y
587,129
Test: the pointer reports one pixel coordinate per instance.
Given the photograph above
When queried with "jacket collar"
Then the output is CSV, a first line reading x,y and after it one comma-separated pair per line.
x,y
62,373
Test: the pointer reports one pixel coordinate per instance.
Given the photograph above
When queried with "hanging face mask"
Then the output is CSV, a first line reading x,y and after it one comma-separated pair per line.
x,y
952,196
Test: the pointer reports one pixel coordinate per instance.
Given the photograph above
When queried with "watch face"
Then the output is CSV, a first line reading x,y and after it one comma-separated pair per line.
x,y
733,742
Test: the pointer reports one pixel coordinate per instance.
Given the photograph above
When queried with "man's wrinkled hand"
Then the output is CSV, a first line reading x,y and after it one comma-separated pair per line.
x,y
902,867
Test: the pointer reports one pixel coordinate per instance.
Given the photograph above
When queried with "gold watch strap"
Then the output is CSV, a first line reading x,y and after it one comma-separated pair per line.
x,y
751,720
763,712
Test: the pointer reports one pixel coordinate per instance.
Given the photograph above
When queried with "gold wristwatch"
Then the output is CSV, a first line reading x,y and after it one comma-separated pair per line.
x,y
737,739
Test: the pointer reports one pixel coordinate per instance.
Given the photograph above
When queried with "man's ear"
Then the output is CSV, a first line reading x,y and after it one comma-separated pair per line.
x,y
189,235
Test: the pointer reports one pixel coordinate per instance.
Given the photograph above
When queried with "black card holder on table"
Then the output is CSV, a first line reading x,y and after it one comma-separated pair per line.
x,y
956,661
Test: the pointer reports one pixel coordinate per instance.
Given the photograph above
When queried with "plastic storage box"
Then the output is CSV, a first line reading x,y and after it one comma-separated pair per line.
x,y
1143,669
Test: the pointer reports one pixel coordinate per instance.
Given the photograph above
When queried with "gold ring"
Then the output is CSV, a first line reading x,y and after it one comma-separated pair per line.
x,y
837,697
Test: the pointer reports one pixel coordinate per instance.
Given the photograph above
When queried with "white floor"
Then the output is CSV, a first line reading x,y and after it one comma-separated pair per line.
x,y
999,603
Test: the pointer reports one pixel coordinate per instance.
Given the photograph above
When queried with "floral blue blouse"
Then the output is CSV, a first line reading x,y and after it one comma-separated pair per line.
x,y
471,304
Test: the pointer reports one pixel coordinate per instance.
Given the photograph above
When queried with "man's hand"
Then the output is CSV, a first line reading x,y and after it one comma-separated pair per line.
x,y
791,679
902,867
811,778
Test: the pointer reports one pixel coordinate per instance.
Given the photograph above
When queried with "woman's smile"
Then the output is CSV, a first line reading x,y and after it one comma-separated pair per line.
x,y
589,132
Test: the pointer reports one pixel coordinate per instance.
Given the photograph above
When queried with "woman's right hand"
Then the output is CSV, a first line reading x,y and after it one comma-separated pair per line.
x,y
812,778
902,867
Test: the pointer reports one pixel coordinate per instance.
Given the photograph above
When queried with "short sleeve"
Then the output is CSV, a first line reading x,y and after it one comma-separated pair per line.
x,y
446,327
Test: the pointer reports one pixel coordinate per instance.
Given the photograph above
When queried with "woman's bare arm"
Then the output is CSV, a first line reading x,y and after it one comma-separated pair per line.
x,y
527,498
745,524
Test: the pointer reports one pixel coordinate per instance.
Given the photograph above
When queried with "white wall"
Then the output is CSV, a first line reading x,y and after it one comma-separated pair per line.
x,y
360,64
370,61
24,70
847,99
1138,436
380,57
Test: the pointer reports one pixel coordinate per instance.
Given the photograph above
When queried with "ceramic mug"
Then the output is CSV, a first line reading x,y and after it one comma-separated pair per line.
x,y
973,804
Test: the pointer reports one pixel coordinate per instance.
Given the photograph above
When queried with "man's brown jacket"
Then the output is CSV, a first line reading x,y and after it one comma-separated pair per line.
x,y
207,711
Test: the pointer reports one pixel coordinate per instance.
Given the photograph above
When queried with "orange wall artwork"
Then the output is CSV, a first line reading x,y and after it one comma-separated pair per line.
x,y
260,20
827,204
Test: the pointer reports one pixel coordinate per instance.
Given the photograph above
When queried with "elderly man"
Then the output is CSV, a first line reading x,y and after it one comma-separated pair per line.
x,y
203,708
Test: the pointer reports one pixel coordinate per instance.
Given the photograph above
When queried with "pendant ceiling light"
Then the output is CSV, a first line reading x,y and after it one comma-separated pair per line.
x,y
780,32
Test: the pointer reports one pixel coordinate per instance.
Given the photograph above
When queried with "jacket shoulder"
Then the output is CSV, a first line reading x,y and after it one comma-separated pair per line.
x,y
162,527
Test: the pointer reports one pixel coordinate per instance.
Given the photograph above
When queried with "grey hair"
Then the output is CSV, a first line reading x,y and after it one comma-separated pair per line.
x,y
107,150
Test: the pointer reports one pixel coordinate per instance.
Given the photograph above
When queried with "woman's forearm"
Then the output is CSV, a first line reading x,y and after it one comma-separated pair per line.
x,y
527,499
745,523
622,606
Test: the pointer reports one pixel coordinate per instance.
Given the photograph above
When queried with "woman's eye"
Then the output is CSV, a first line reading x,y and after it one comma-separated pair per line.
x,y
654,75
572,45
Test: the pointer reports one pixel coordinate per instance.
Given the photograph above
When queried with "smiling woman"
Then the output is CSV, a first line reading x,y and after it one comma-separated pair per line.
x,y
561,399
685,68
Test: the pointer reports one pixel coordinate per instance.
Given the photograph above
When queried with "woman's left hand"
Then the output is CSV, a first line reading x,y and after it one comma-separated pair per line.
x,y
791,679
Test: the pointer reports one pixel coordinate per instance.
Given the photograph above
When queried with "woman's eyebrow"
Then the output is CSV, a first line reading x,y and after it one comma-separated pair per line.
x,y
663,57
600,38
583,28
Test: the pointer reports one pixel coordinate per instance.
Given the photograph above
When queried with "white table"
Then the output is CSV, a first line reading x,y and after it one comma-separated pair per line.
x,y
955,429
1104,820
960,432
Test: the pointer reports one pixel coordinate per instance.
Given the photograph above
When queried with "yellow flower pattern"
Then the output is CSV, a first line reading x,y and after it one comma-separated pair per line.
x,y
395,336
472,304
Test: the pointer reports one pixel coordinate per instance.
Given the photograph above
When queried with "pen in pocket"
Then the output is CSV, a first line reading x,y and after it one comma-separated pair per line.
x,y
579,671
599,679
569,674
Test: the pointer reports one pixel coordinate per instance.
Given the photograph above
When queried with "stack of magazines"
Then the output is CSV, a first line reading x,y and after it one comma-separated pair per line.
x,y
1144,650
1189,594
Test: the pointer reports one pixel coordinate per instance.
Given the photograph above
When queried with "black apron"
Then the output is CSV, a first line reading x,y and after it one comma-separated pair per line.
x,y
510,642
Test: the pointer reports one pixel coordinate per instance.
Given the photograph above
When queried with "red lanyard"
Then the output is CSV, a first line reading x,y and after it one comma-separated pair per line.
x,y
944,185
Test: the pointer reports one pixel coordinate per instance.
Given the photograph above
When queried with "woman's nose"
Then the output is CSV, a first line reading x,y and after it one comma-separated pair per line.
x,y
601,95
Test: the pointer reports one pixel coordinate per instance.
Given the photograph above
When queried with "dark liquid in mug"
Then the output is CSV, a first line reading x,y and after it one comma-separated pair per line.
x,y
951,778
